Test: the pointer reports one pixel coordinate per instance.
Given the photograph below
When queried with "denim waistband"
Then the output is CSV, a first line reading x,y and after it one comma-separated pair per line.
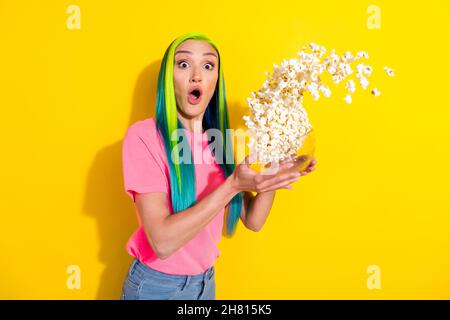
x,y
138,266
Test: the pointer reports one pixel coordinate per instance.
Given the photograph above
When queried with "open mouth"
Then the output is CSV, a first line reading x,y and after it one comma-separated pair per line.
x,y
194,96
196,93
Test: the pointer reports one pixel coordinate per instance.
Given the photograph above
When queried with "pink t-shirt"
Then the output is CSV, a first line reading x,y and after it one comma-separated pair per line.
x,y
145,169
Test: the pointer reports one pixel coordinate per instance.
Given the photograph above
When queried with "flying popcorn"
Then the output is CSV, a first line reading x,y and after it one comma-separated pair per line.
x,y
348,99
351,86
389,71
375,92
278,122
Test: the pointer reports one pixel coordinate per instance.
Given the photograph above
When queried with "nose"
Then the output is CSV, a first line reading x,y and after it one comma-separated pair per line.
x,y
196,77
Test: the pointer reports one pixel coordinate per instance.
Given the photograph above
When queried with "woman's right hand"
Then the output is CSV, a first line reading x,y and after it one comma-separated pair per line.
x,y
246,179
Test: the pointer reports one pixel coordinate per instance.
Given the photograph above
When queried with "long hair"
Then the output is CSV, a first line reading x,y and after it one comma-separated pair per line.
x,y
182,175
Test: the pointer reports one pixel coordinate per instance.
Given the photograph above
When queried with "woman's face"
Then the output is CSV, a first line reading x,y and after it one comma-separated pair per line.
x,y
195,67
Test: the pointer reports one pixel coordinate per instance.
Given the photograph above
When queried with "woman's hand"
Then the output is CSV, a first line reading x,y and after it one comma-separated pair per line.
x,y
246,179
257,208
310,167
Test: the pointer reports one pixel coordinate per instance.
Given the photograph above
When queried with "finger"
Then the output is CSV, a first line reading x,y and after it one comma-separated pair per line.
x,y
280,185
271,172
287,160
272,168
288,187
270,180
310,167
286,164
280,182
306,171
312,163
261,177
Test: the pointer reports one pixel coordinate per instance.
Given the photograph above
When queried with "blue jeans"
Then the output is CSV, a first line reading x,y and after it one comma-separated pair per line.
x,y
145,283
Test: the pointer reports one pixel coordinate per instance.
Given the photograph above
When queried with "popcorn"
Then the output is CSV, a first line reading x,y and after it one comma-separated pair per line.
x,y
351,86
375,92
363,82
278,122
325,90
389,71
348,99
362,54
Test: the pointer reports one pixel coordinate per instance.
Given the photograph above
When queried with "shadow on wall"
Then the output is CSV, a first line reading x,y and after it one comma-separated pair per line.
x,y
106,200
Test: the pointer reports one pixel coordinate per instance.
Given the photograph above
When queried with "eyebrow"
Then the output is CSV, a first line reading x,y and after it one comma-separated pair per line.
x,y
205,54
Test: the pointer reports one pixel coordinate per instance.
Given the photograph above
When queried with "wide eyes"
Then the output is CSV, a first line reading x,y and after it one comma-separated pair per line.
x,y
184,64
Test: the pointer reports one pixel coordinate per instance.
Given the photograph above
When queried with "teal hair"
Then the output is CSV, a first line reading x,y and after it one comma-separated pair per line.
x,y
182,175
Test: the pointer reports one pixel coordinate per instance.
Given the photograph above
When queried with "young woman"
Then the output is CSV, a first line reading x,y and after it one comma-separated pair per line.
x,y
180,205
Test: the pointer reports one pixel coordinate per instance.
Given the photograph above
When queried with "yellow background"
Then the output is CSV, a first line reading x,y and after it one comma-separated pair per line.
x,y
379,195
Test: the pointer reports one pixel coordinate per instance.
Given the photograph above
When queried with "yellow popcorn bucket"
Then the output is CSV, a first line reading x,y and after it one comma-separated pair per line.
x,y
302,159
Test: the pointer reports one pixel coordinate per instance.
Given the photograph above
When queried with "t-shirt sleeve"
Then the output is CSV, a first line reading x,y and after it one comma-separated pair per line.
x,y
142,172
